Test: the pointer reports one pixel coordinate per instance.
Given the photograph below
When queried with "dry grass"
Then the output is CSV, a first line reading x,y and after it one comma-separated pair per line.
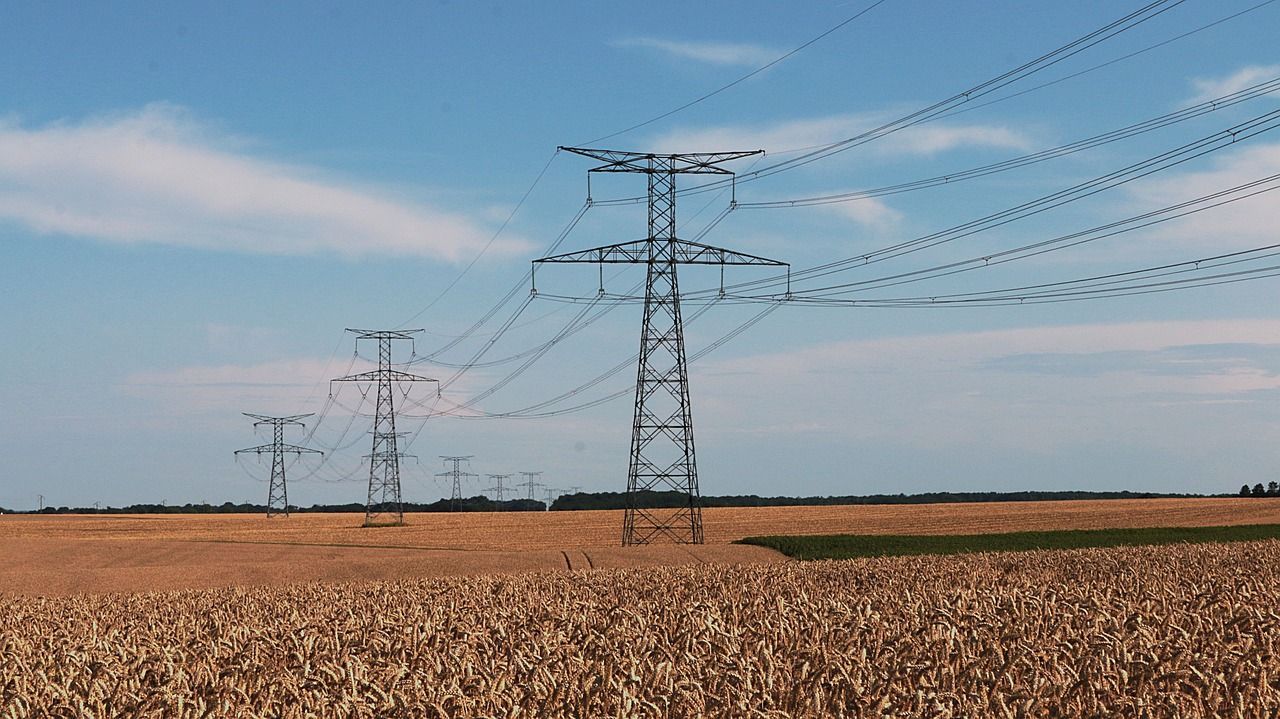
x,y
1178,631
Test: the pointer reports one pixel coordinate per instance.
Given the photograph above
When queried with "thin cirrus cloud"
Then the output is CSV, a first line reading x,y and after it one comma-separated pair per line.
x,y
712,53
1247,223
158,176
1030,387
922,140
1209,88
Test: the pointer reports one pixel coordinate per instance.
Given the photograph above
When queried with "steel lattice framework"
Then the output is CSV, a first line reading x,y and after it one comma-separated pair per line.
x,y
531,482
498,486
384,505
662,449
456,474
278,491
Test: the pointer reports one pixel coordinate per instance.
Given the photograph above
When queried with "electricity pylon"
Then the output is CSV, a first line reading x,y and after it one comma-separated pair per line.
x,y
278,491
662,451
531,481
455,499
498,486
551,494
384,505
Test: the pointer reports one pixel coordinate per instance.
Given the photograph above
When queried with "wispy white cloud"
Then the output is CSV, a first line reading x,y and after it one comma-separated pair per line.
x,y
159,176
1028,388
1209,88
714,53
924,140
870,212
1249,222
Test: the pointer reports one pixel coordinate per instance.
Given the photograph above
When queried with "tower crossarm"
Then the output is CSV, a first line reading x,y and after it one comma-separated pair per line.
x,y
688,163
682,251
384,334
267,448
264,419
377,374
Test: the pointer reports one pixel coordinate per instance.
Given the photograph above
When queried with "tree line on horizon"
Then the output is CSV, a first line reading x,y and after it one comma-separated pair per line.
x,y
644,500
1271,490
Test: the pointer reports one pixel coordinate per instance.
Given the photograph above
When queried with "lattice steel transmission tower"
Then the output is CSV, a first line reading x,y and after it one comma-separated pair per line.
x,y
498,487
662,451
384,505
531,481
278,491
456,474
550,495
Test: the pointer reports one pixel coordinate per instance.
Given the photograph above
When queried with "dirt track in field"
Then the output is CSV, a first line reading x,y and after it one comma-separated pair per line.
x,y
103,553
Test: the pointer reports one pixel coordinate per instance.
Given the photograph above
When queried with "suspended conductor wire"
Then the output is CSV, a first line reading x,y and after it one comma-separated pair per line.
x,y
1106,138
1039,64
529,413
1122,58
1116,281
1163,161
487,245
1053,57
1093,234
830,295
1079,295
738,81
629,362
521,284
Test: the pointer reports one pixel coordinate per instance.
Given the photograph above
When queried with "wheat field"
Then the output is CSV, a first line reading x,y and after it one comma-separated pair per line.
x,y
1174,631
603,528
69,554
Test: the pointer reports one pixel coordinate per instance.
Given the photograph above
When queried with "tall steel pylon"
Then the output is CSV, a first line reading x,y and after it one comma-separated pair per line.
x,y
278,491
662,451
456,474
384,505
531,482
498,486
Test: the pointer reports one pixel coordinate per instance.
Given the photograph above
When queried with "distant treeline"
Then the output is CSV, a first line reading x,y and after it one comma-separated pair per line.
x,y
471,504
655,500
1271,490
617,500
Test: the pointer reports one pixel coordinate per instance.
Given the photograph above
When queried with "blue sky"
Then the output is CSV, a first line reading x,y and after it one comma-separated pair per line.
x,y
195,201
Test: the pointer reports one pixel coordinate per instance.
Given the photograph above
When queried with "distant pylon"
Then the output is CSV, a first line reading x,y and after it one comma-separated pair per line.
x,y
455,499
278,492
384,505
498,487
531,481
550,494
662,452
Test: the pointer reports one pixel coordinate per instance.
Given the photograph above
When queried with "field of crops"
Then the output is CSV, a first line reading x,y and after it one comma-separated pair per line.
x,y
557,530
58,555
1175,631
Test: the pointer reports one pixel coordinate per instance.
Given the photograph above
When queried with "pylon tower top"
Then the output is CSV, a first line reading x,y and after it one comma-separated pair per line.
x,y
682,163
662,448
384,505
278,491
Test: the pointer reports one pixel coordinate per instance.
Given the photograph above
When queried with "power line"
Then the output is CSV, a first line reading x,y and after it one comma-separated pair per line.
x,y
1106,138
1084,42
742,79
1156,163
487,245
